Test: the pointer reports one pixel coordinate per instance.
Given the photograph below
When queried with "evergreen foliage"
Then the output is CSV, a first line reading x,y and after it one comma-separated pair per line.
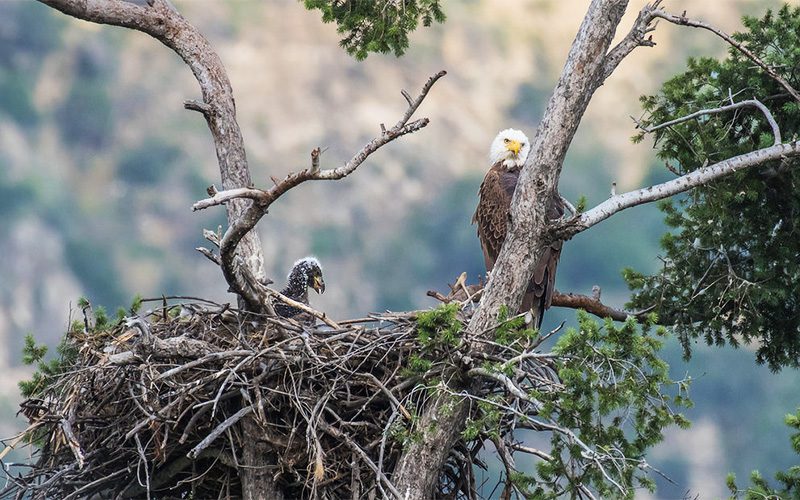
x,y
46,370
611,406
730,270
377,26
439,328
614,399
790,479
438,333
95,322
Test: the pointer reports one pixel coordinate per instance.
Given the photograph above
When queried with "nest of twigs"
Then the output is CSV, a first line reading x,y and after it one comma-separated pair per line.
x,y
164,405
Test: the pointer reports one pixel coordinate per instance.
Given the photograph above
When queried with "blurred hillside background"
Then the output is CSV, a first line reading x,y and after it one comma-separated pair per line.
x,y
99,165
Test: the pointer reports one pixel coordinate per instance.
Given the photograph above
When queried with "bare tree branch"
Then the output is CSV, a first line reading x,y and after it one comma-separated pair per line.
x,y
682,20
508,462
303,307
222,197
594,306
637,37
205,443
508,383
776,131
162,348
262,199
569,228
531,451
208,254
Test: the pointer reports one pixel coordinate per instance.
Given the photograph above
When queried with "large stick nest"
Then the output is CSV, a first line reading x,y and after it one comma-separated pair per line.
x,y
156,407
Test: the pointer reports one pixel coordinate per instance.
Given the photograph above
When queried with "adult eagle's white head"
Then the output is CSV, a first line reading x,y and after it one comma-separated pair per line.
x,y
511,147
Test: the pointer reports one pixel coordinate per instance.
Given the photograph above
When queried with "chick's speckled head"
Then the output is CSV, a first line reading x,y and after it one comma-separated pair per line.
x,y
511,146
307,272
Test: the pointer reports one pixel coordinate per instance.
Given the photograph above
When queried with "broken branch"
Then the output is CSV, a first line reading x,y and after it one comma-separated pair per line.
x,y
637,37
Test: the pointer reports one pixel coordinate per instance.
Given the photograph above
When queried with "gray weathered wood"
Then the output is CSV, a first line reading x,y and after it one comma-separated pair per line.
x,y
159,19
421,463
257,470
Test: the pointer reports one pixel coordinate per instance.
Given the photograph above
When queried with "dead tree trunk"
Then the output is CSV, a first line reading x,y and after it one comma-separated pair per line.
x,y
160,20
585,70
258,470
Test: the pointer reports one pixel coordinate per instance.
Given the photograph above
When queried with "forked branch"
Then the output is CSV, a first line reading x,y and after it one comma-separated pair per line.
x,y
637,37
264,198
779,151
261,199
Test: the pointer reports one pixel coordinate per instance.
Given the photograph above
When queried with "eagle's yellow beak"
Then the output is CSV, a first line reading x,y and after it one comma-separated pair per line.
x,y
514,146
319,284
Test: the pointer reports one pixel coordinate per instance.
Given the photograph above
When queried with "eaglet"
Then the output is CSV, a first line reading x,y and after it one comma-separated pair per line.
x,y
306,272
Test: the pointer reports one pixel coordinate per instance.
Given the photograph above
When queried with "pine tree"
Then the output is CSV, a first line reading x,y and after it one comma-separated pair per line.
x,y
730,271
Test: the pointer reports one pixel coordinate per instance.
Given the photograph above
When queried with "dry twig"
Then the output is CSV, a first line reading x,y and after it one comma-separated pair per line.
x,y
159,405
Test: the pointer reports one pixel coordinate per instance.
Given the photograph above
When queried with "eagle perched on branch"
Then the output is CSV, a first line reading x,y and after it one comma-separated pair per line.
x,y
306,272
507,155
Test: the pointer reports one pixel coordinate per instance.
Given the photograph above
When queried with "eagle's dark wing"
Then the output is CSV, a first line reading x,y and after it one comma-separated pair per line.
x,y
542,284
491,216
284,310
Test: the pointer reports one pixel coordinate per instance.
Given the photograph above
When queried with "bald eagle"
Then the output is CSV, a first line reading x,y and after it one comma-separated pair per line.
x,y
507,155
306,272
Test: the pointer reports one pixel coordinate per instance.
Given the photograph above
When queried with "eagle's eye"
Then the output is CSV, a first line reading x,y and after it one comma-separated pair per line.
x,y
505,140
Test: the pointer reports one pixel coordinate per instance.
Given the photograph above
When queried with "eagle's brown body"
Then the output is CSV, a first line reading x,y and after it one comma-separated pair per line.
x,y
491,217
